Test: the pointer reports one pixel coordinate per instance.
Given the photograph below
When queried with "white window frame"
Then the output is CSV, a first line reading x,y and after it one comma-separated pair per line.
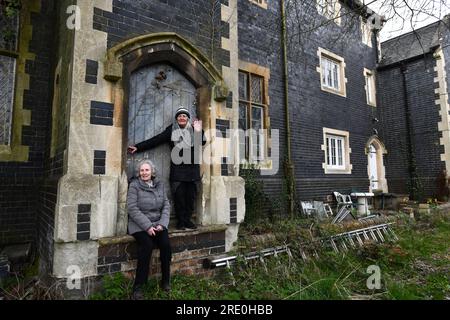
x,y
335,152
330,9
366,33
327,59
370,86
330,74
330,135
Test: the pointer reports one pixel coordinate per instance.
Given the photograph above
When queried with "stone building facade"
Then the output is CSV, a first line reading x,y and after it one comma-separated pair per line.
x,y
84,69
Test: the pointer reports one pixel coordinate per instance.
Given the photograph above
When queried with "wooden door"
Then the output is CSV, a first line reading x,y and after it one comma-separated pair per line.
x,y
156,92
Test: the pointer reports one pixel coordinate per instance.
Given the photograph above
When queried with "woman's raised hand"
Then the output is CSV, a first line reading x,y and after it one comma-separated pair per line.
x,y
197,124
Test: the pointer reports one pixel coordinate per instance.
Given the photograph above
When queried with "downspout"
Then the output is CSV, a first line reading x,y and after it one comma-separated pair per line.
x,y
289,166
412,169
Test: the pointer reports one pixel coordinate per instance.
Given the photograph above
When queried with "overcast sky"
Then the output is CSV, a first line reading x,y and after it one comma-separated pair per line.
x,y
398,13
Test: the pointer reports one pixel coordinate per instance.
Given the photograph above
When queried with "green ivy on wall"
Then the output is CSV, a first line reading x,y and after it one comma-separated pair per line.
x,y
9,10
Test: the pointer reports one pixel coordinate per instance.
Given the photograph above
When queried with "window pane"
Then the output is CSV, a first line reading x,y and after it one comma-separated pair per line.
x,y
324,73
257,125
7,75
335,76
333,151
243,85
243,116
370,88
257,116
256,88
366,33
328,152
367,88
321,6
243,139
340,152
330,74
332,8
327,7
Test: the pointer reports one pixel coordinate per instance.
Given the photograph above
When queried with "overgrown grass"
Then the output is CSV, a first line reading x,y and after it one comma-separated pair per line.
x,y
415,267
26,285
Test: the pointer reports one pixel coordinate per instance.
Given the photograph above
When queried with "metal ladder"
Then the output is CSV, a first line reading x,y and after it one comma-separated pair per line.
x,y
379,234
340,242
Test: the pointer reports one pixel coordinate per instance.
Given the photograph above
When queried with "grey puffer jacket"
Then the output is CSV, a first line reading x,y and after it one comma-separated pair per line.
x,y
147,206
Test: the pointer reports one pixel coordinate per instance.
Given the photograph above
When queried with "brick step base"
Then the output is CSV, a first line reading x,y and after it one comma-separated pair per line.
x,y
189,249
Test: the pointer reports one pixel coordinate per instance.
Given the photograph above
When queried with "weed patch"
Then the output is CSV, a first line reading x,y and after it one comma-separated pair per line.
x,y
415,267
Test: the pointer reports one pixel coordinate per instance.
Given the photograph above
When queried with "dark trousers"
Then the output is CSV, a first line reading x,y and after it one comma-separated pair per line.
x,y
184,196
146,244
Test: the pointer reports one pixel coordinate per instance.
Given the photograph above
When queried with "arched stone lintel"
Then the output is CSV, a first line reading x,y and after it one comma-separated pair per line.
x,y
375,140
166,46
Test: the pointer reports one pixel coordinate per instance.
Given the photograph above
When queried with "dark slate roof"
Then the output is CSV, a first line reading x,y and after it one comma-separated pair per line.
x,y
412,44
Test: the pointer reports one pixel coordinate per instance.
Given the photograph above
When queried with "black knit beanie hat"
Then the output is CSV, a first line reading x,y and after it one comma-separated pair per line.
x,y
182,110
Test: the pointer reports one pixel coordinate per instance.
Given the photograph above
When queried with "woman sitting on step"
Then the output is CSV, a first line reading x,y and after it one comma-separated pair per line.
x,y
149,213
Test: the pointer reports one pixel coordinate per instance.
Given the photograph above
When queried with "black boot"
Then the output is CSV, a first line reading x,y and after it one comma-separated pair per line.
x,y
138,293
188,222
180,225
165,285
190,225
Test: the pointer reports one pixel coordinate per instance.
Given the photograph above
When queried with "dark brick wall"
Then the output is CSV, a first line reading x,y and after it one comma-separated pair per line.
x,y
392,119
424,117
45,223
197,21
311,109
259,43
53,167
17,213
20,182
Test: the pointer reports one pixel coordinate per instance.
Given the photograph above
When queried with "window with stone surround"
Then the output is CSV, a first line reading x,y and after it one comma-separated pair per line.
x,y
337,151
366,33
253,111
330,9
332,72
369,76
9,29
261,3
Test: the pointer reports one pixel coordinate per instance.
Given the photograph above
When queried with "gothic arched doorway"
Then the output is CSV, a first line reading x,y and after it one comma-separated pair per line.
x,y
155,93
375,168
